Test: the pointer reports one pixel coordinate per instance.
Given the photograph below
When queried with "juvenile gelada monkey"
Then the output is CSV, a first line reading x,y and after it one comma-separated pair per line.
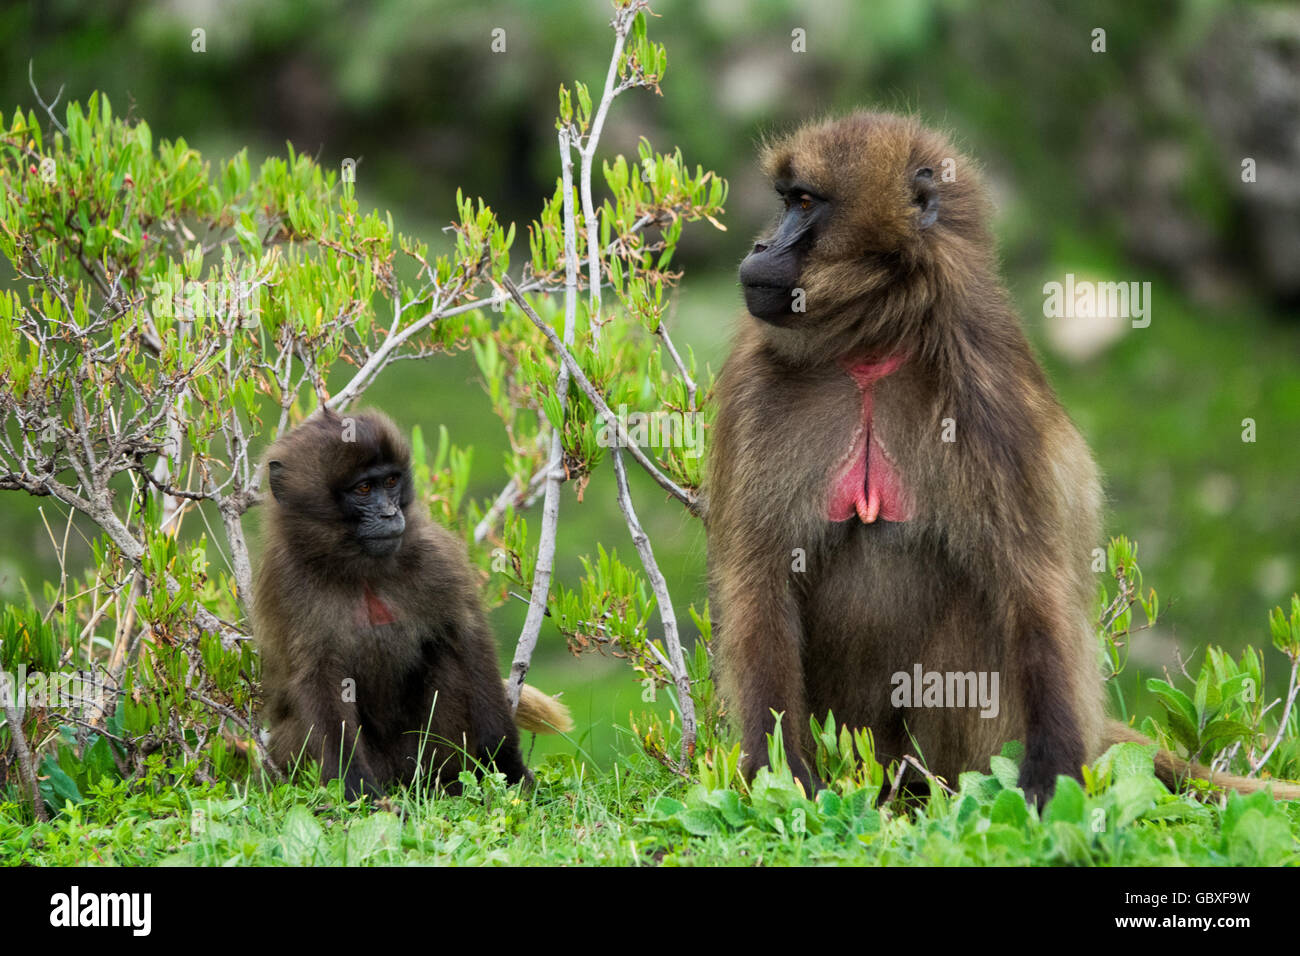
x,y
377,659
892,481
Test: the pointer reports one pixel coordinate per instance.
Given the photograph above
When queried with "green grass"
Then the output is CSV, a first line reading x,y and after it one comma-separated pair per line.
x,y
635,812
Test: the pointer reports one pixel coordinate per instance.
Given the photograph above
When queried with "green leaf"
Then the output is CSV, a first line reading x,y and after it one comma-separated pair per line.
x,y
1006,772
584,99
1201,701
982,787
551,407
1013,750
1259,839
1182,713
58,783
1010,808
98,760
378,837
1128,760
728,804
1067,803
1221,734
665,807
249,240
1134,796
699,822
300,838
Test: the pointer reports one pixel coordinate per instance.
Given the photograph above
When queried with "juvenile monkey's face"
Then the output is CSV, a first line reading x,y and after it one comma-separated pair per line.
x,y
342,485
373,505
857,196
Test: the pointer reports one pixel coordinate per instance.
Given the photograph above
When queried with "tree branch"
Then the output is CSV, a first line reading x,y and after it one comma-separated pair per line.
x,y
1292,688
555,472
510,494
587,153
26,768
667,616
662,332
691,501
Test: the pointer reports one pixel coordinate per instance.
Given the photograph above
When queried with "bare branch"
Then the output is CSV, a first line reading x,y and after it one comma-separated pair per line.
x,y
623,439
587,153
1292,689
667,616
240,563
925,771
555,471
662,332
23,756
49,108
511,494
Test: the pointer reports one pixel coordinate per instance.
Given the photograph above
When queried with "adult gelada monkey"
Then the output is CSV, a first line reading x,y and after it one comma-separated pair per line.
x,y
892,480
377,659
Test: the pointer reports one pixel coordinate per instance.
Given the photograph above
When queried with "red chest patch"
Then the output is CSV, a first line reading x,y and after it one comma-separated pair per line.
x,y
866,483
373,611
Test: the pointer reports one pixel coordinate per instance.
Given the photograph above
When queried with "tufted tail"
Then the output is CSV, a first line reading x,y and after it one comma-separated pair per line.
x,y
541,713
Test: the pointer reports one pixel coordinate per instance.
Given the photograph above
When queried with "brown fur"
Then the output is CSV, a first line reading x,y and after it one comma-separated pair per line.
x,y
312,626
991,571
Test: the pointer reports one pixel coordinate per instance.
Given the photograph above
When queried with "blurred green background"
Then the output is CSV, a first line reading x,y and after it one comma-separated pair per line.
x,y
1122,165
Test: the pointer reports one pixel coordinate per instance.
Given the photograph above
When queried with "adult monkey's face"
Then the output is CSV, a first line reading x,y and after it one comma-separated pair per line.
x,y
857,197
770,274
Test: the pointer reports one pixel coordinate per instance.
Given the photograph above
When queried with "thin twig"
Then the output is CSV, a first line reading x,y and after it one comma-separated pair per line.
x,y
667,616
896,783
555,471
908,758
622,23
662,332
225,711
511,494
49,109
622,438
1294,687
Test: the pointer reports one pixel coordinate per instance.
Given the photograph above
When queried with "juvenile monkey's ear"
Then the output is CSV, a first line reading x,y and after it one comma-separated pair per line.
x,y
926,195
275,473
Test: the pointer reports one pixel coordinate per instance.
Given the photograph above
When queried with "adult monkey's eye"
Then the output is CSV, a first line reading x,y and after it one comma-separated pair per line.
x,y
806,202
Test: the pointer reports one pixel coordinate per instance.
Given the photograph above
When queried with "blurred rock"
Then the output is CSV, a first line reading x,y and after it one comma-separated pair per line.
x,y
1078,338
1177,198
1247,82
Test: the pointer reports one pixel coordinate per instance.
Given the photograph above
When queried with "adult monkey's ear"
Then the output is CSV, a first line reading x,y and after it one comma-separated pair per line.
x,y
926,195
275,473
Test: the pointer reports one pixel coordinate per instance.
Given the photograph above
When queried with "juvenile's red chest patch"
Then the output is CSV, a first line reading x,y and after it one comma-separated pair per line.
x,y
866,483
372,611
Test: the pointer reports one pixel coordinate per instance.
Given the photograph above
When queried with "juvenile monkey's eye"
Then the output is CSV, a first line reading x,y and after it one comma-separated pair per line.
x,y
362,489
390,481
